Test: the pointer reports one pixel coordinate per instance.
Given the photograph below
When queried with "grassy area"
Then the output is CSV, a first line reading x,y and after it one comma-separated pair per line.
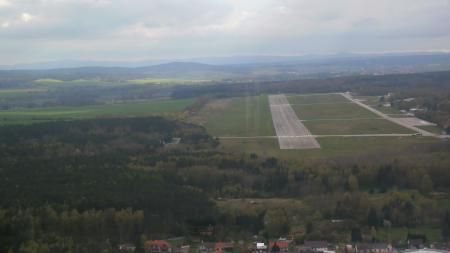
x,y
330,146
387,110
332,111
167,81
48,81
243,116
360,126
122,109
433,129
369,100
21,91
52,82
316,98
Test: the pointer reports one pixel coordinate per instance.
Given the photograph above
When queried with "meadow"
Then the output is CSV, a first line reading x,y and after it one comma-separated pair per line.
x,y
316,98
167,81
331,147
142,108
358,126
317,110
242,116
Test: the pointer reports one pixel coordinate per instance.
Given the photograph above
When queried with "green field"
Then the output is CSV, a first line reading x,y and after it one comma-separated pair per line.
x,y
330,146
432,129
13,92
121,109
48,81
387,110
316,98
368,100
167,81
332,111
359,126
243,116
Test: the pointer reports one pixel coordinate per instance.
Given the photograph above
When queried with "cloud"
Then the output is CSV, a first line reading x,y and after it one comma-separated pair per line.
x,y
4,3
168,28
26,17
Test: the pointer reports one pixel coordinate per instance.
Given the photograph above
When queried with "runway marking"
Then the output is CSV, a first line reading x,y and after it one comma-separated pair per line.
x,y
291,132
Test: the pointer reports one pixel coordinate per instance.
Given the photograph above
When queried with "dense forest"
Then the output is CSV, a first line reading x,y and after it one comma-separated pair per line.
x,y
89,185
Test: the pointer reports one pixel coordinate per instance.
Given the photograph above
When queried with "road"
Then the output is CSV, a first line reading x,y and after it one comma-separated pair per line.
x,y
384,116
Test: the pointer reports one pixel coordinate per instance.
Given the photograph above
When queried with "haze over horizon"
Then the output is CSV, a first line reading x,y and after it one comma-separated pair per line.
x,y
119,30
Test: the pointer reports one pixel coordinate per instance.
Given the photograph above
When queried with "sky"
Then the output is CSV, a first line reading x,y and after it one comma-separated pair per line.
x,y
133,30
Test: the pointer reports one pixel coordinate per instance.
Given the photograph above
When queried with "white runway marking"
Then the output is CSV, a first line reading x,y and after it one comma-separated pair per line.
x,y
291,133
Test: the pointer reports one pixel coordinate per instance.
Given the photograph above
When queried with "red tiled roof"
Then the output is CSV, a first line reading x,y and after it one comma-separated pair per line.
x,y
158,243
281,244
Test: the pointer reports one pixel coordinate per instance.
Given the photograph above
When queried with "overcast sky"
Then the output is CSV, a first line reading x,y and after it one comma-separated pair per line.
x,y
47,30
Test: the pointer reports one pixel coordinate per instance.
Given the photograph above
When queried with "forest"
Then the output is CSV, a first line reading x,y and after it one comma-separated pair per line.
x,y
89,185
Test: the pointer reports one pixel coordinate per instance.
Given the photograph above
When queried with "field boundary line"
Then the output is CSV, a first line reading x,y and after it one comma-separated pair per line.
x,y
328,103
316,136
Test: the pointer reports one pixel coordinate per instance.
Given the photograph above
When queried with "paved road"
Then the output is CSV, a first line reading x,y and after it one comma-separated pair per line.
x,y
291,133
384,116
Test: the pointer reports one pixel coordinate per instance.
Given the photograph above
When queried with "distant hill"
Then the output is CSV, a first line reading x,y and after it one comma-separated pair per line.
x,y
248,67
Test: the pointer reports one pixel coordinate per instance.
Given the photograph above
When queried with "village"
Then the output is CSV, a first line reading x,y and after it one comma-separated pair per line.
x,y
285,245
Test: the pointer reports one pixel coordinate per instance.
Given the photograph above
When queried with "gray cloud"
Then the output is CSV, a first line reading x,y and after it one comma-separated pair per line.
x,y
36,30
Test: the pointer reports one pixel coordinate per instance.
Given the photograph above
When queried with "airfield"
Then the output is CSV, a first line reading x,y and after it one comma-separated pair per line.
x,y
311,125
292,126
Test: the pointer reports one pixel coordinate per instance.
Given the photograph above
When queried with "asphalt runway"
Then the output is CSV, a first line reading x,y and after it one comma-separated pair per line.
x,y
291,132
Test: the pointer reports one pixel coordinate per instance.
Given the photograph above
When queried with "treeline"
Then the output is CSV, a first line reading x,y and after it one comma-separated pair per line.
x,y
363,85
44,229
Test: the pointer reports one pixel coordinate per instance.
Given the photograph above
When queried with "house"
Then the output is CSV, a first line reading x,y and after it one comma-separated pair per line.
x,y
181,249
127,247
258,247
217,247
282,244
316,246
373,248
157,246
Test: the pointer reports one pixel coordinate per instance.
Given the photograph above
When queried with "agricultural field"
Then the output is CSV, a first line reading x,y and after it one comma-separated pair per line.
x,y
151,107
242,116
55,82
168,81
21,91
